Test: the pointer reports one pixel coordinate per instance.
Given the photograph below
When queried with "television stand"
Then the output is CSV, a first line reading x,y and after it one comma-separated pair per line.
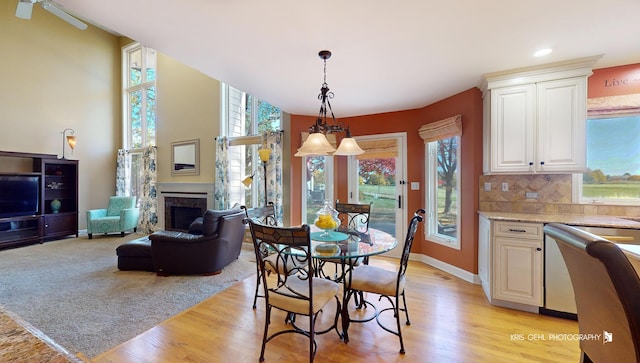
x,y
57,214
16,231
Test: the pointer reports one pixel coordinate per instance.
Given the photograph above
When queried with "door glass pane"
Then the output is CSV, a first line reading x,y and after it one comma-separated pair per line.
x,y
377,185
316,186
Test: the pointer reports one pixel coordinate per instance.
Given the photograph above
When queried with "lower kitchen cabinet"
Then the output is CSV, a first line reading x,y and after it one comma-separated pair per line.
x,y
510,263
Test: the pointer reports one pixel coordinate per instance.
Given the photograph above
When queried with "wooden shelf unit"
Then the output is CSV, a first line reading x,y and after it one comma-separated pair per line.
x,y
58,181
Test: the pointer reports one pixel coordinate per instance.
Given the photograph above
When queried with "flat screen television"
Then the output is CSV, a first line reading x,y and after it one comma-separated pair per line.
x,y
19,195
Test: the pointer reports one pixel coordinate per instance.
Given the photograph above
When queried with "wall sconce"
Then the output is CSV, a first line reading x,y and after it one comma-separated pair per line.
x,y
70,140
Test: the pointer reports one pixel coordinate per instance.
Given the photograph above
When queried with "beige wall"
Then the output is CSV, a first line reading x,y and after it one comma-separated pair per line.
x,y
188,108
54,76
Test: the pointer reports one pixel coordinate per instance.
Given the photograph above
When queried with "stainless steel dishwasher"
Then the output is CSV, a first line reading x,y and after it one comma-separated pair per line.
x,y
559,299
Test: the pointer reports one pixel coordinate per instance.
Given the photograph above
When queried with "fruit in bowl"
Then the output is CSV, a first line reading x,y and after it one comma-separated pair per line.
x,y
326,221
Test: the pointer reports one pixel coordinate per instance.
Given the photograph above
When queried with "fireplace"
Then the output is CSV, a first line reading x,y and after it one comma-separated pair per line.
x,y
179,212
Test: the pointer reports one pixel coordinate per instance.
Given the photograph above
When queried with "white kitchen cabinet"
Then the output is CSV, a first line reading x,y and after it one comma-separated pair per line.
x,y
518,262
510,263
535,120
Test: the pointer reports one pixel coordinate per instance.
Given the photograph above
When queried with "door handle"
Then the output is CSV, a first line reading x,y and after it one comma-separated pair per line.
x,y
399,201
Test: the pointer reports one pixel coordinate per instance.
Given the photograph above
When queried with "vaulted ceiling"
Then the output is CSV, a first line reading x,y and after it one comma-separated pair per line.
x,y
387,55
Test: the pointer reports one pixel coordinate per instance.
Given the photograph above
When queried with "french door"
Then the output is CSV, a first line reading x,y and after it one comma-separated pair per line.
x,y
379,177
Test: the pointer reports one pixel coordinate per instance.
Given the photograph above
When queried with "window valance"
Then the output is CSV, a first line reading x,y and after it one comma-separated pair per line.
x,y
442,129
378,149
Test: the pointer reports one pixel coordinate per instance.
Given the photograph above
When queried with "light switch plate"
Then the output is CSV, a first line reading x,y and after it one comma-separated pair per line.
x,y
487,187
505,187
415,185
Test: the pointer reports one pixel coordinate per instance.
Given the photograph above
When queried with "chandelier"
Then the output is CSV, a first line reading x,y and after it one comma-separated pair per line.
x,y
317,144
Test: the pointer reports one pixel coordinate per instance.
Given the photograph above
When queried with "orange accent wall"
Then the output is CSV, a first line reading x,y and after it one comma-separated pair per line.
x,y
614,81
469,105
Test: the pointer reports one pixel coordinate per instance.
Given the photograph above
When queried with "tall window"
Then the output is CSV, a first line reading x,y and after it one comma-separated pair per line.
x,y
139,96
613,162
245,119
443,196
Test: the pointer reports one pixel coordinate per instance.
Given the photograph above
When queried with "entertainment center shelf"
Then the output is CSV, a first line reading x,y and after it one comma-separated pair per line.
x,y
38,200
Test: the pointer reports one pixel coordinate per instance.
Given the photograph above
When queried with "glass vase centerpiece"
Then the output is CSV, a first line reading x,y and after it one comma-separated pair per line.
x,y
327,219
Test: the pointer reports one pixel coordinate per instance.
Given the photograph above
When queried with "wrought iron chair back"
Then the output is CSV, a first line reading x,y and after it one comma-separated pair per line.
x,y
354,216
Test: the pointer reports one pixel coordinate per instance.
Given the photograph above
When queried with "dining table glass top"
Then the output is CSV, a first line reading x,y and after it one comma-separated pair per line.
x,y
355,245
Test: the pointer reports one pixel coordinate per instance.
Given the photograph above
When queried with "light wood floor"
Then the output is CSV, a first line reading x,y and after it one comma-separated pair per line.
x,y
451,321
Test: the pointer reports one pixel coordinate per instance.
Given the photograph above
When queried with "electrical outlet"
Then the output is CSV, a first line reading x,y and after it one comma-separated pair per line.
x,y
505,187
487,187
531,195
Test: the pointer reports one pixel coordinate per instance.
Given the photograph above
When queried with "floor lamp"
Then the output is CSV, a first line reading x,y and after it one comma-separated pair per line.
x,y
264,154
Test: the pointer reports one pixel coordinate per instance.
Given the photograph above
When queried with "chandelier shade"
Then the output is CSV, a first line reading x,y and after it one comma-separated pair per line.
x,y
317,144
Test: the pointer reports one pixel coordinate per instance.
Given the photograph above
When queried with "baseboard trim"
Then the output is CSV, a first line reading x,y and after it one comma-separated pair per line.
x,y
448,268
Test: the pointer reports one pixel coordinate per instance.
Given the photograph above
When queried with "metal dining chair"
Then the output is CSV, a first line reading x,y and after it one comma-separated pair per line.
x,y
293,289
264,215
386,283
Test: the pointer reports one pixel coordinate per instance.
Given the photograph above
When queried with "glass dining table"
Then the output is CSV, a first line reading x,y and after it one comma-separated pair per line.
x,y
347,248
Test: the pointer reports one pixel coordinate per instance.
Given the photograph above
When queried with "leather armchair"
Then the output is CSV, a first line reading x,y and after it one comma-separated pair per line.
x,y
213,241
121,215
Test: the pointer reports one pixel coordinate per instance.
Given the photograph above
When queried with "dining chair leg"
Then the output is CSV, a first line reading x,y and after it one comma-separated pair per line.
x,y
397,312
312,328
406,309
267,320
255,296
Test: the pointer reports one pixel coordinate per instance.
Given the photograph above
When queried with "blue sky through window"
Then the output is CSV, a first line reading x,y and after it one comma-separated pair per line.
x,y
613,145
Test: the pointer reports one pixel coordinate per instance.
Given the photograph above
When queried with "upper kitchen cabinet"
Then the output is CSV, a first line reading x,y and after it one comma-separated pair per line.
x,y
535,118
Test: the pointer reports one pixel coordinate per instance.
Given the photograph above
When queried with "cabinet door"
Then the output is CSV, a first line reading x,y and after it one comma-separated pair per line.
x,y
62,224
512,128
562,114
518,270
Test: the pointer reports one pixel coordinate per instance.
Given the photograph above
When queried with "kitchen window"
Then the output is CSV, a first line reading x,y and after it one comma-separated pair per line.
x,y
613,162
443,195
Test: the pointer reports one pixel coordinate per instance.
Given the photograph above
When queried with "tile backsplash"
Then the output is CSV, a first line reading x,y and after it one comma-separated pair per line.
x,y
553,196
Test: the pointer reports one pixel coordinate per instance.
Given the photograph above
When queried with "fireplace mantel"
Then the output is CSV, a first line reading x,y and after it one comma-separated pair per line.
x,y
182,190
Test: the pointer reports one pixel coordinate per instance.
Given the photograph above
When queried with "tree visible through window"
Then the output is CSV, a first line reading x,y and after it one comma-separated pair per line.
x,y
139,94
443,193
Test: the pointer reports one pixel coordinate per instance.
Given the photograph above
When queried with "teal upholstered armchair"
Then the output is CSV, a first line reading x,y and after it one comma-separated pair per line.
x,y
121,215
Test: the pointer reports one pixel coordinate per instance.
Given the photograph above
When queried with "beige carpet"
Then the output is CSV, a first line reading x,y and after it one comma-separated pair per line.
x,y
73,292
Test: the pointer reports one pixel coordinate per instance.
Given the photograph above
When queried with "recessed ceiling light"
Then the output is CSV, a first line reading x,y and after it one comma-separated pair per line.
x,y
542,52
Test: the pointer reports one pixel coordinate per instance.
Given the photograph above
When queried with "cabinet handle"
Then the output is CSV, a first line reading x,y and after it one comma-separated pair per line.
x,y
542,163
538,249
531,163
517,230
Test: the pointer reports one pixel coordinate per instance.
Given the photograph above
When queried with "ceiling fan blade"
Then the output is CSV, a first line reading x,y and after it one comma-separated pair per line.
x,y
63,15
24,9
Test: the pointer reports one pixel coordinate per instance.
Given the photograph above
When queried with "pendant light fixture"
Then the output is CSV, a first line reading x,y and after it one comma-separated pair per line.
x,y
317,144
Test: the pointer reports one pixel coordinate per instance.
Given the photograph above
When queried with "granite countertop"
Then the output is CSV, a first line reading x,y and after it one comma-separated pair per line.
x,y
576,220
